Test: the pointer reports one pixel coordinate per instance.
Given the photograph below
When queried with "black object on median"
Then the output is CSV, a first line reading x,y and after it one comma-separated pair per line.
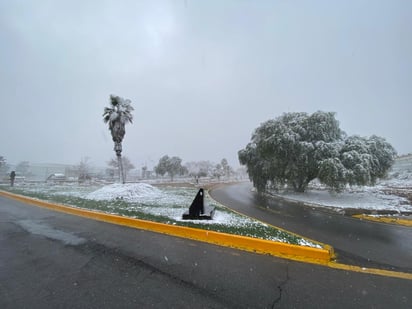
x,y
198,211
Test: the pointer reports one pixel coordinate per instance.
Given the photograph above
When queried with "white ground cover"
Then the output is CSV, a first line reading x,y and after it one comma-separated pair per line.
x,y
170,202
370,198
399,179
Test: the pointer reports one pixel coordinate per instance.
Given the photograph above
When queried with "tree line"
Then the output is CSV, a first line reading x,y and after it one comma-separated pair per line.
x,y
172,166
166,166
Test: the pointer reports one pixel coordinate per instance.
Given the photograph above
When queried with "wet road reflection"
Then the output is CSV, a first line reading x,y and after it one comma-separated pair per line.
x,y
355,241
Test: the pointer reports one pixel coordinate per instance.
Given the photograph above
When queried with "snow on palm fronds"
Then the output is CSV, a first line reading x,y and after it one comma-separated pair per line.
x,y
117,116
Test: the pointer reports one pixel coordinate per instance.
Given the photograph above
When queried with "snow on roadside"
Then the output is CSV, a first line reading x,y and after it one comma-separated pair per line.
x,y
129,192
401,179
168,202
370,198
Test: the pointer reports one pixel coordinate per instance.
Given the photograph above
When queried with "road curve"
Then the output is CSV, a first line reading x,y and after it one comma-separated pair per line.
x,y
357,242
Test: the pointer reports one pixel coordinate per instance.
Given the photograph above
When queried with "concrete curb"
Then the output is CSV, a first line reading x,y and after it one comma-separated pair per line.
x,y
389,220
325,246
294,252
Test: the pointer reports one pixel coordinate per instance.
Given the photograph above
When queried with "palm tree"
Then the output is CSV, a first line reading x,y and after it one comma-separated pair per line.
x,y
117,116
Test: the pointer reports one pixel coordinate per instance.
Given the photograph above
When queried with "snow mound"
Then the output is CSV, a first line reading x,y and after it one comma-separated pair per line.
x,y
132,191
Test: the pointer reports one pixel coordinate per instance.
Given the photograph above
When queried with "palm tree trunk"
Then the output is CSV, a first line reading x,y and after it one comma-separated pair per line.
x,y
118,150
121,171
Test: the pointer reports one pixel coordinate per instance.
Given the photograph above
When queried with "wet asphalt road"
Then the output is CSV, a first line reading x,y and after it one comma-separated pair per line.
x,y
362,243
54,260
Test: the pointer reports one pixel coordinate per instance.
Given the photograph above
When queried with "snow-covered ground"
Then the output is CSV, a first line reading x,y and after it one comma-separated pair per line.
x,y
169,202
172,202
371,198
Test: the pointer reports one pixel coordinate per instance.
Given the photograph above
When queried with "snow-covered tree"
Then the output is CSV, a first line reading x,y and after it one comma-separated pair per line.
x,y
286,150
23,168
4,167
200,168
361,161
296,148
144,171
161,167
114,166
333,173
383,156
117,116
172,166
227,169
83,169
218,171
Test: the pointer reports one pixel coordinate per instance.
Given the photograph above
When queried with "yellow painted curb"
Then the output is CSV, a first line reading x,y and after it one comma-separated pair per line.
x,y
325,246
294,252
371,271
384,219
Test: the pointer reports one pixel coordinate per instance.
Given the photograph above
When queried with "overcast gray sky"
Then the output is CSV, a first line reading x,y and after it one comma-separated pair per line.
x,y
201,75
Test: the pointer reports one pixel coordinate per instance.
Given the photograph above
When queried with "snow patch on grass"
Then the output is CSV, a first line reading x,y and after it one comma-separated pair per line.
x,y
362,200
166,205
128,192
169,202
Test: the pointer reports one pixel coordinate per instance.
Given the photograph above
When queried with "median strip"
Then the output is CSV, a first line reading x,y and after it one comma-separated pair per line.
x,y
294,252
